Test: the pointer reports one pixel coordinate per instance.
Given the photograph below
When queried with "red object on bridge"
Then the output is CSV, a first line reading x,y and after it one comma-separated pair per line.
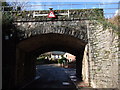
x,y
51,15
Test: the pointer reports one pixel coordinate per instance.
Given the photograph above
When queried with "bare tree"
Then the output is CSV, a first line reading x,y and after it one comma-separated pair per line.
x,y
19,4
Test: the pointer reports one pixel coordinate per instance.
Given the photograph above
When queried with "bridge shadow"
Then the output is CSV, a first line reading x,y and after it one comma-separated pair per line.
x,y
28,49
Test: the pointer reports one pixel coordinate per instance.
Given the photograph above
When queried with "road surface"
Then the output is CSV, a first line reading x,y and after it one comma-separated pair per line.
x,y
51,76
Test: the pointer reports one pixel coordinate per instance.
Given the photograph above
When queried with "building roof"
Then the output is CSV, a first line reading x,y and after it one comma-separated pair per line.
x,y
57,53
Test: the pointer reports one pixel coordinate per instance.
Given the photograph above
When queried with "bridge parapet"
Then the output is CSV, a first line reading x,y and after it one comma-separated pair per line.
x,y
66,14
70,22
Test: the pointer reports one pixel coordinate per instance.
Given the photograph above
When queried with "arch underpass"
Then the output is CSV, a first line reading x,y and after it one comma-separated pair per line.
x,y
29,49
74,35
42,36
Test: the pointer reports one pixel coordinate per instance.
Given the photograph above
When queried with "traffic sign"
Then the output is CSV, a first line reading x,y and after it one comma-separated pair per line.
x,y
51,15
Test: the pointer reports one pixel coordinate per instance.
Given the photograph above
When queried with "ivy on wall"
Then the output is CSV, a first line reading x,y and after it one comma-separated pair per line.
x,y
112,23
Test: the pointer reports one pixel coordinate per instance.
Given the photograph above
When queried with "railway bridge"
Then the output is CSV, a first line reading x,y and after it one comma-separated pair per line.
x,y
96,48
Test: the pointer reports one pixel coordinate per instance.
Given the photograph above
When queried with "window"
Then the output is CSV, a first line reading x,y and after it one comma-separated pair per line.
x,y
66,55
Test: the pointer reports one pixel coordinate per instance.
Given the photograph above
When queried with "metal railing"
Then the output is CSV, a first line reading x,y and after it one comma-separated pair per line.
x,y
109,11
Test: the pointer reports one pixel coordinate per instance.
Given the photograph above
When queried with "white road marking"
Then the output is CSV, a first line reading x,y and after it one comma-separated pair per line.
x,y
37,77
72,77
66,83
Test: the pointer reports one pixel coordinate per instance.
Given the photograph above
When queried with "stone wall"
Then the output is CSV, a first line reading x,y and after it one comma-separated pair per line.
x,y
76,28
72,14
103,56
25,70
100,67
85,66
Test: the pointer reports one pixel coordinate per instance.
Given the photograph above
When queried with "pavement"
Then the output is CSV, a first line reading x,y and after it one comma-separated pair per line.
x,y
52,76
80,85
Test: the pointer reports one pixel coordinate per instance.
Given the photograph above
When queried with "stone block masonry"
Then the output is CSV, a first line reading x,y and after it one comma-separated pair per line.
x,y
73,14
104,57
77,28
101,68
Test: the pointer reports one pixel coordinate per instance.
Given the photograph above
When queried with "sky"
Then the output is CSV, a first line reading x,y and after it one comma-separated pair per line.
x,y
65,0
109,9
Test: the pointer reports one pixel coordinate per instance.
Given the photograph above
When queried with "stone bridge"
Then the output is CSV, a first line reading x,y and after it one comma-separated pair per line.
x,y
95,47
77,29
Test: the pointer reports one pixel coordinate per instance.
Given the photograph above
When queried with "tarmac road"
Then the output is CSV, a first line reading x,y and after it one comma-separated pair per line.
x,y
51,76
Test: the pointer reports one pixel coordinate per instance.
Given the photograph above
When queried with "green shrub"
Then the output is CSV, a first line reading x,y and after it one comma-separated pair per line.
x,y
62,60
